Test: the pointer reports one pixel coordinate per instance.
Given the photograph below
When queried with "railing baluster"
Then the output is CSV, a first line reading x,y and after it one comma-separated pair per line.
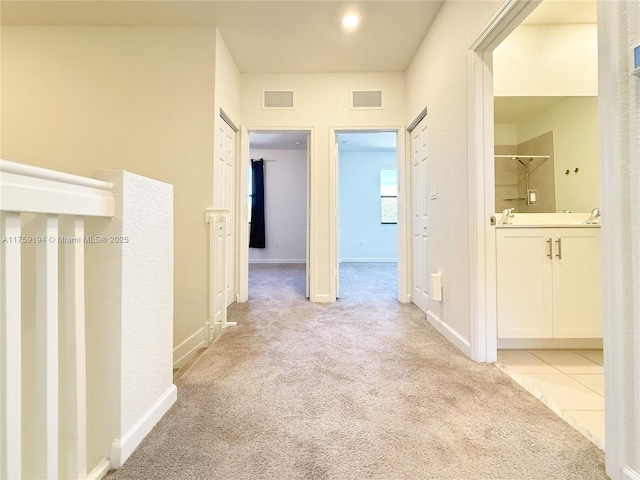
x,y
73,368
46,414
10,347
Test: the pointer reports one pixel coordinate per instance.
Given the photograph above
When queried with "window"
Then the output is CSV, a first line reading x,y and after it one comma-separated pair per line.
x,y
388,196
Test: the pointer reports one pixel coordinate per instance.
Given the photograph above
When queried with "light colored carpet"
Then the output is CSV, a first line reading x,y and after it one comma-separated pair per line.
x,y
360,389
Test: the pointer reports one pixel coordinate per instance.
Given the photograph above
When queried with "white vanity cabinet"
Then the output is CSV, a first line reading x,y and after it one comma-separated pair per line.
x,y
548,282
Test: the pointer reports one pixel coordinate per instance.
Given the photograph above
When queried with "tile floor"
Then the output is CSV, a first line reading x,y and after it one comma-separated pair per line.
x,y
569,382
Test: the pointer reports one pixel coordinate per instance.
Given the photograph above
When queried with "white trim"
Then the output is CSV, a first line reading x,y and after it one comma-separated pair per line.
x,y
482,306
613,251
23,170
368,260
188,348
629,473
417,120
26,188
227,120
449,332
404,213
100,470
549,343
510,15
277,260
242,232
122,448
242,219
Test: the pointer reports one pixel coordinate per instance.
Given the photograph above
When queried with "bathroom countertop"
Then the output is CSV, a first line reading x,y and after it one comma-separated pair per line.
x,y
547,220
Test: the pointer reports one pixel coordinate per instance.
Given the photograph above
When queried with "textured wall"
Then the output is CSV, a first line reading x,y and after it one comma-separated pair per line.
x,y
437,79
628,107
129,290
147,296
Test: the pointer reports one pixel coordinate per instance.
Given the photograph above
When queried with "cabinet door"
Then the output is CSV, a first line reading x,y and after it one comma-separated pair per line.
x,y
524,273
577,290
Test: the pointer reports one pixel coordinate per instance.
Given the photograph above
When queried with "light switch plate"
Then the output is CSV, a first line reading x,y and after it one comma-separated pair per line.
x,y
434,192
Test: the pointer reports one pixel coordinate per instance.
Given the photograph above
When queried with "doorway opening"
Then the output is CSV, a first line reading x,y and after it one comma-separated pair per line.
x,y
367,177
540,265
276,183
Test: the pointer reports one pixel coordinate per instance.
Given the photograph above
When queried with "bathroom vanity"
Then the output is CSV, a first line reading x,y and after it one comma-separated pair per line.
x,y
548,279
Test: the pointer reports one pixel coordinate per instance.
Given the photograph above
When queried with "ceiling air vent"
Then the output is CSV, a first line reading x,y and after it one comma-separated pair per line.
x,y
277,99
366,99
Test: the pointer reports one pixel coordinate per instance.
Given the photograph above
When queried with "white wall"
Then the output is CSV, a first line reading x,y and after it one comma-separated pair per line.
x,y
80,99
362,237
322,101
285,207
547,60
621,244
129,318
437,79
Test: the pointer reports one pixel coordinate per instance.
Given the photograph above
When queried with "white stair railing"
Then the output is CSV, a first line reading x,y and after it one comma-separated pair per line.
x,y
60,203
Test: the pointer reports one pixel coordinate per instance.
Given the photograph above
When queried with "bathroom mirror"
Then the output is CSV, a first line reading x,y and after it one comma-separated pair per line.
x,y
546,154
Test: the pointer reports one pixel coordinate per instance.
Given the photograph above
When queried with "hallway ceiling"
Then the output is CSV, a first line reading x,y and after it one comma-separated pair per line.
x,y
264,36
282,36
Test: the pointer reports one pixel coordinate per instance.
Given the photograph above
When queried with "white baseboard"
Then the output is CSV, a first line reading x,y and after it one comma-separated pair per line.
x,y
187,349
277,260
368,260
100,470
629,473
123,447
549,343
449,333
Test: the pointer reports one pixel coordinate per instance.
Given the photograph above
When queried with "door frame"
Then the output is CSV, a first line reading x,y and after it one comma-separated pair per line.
x,y
242,232
404,210
482,206
481,191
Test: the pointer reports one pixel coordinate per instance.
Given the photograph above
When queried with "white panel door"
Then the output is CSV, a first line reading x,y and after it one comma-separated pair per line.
x,y
225,174
420,233
577,291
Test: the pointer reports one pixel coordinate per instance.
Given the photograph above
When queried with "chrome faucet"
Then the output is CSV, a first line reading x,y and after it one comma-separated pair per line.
x,y
594,219
507,216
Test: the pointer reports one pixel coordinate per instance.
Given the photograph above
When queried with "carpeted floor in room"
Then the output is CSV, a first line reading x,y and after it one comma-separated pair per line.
x,y
363,388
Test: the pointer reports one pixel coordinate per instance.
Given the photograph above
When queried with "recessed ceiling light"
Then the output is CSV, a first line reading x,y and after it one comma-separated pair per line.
x,y
350,21
298,142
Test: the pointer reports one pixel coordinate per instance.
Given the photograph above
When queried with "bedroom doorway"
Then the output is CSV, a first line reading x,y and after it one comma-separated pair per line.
x,y
369,209
275,205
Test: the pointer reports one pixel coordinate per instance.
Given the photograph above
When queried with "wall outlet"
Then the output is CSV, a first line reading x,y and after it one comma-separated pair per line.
x,y
360,243
277,244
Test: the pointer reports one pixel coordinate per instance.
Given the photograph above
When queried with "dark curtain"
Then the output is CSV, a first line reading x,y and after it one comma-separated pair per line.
x,y
257,230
